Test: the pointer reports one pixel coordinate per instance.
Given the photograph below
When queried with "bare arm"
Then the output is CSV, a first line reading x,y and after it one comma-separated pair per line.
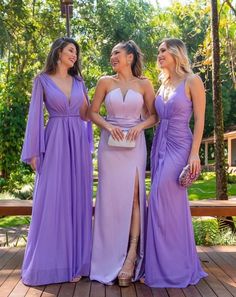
x,y
151,120
100,93
197,93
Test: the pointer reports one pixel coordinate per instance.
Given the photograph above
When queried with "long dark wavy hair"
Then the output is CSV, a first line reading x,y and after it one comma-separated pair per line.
x,y
132,48
53,56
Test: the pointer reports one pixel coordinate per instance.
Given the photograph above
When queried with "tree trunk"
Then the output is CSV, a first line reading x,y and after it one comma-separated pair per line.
x,y
220,166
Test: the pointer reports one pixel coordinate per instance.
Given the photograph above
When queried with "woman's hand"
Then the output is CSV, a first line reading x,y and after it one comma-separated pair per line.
x,y
194,162
134,132
116,132
33,163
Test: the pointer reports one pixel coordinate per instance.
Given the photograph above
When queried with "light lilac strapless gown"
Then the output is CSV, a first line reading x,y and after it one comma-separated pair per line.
x,y
172,259
59,242
117,170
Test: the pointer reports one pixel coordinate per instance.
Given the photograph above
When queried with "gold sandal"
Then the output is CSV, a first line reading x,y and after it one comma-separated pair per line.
x,y
124,276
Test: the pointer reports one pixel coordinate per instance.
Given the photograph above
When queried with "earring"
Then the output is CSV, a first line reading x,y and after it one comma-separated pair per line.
x,y
58,61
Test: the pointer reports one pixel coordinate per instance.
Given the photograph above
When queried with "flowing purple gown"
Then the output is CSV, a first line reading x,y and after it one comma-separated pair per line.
x,y
59,241
171,256
117,170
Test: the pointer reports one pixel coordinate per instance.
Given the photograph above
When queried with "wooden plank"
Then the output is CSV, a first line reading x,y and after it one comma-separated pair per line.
x,y
67,290
51,290
11,264
198,208
7,256
191,291
142,290
204,289
159,292
97,289
15,207
35,291
82,288
213,207
13,279
220,283
175,292
19,290
128,291
113,291
222,270
3,251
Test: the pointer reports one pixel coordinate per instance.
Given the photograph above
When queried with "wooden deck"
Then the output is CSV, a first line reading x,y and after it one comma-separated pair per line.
x,y
219,262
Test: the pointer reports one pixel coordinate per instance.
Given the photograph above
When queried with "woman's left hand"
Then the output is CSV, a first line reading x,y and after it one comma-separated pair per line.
x,y
194,162
133,133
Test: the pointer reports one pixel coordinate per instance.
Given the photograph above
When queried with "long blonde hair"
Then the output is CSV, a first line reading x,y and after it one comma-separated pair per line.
x,y
178,50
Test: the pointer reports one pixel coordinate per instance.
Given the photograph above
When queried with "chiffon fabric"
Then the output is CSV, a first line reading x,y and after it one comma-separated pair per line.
x,y
60,235
171,256
118,168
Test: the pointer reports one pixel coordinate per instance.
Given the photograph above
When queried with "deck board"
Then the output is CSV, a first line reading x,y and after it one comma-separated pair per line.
x,y
218,261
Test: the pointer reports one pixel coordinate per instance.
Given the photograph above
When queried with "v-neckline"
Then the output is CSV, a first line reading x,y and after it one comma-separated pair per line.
x,y
170,96
68,99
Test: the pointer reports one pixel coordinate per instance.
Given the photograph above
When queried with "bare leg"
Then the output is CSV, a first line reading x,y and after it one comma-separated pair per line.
x,y
127,270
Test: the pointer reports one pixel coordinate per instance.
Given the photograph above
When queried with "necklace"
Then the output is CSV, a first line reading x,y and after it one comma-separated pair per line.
x,y
169,89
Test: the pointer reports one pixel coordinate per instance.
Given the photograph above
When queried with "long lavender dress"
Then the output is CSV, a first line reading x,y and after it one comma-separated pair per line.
x,y
59,241
117,170
171,257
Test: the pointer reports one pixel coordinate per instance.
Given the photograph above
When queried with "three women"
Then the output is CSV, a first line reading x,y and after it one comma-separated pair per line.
x,y
120,216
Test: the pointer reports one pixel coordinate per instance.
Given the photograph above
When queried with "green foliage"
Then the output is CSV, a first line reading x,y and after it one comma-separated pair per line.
x,y
12,221
207,232
28,27
231,178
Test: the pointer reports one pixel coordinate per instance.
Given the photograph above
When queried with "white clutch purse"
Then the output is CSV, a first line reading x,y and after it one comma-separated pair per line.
x,y
121,143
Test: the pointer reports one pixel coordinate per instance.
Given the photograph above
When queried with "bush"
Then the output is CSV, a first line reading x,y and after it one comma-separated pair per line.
x,y
231,178
207,232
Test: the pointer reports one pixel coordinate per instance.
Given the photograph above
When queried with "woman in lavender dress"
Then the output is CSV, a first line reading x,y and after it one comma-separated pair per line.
x,y
172,259
59,241
120,215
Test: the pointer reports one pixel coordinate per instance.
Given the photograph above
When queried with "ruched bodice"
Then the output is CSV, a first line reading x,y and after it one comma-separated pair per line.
x,y
172,258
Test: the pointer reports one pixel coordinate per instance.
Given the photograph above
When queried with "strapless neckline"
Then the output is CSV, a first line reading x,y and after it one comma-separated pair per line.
x,y
124,96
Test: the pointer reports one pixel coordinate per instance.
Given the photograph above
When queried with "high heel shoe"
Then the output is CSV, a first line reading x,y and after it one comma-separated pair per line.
x,y
125,277
126,274
75,279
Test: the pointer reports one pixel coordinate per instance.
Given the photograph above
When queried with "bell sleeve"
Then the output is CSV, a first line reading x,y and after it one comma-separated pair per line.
x,y
34,145
88,124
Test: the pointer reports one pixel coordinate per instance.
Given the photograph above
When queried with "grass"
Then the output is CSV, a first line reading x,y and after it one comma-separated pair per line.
x,y
203,188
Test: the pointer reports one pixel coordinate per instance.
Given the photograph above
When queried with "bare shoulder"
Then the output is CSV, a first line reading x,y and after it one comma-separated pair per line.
x,y
104,81
194,80
145,83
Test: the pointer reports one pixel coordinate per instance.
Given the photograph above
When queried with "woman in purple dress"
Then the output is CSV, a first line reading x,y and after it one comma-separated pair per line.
x,y
172,260
120,215
59,241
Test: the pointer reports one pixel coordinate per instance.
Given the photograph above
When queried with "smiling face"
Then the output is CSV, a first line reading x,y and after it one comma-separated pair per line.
x,y
164,57
68,55
120,59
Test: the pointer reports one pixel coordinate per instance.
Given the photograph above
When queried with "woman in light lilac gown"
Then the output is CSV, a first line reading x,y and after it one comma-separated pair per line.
x,y
171,256
120,214
59,241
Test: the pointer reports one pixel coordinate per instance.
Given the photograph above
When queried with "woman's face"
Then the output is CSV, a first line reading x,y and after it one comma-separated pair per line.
x,y
164,58
68,55
120,59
